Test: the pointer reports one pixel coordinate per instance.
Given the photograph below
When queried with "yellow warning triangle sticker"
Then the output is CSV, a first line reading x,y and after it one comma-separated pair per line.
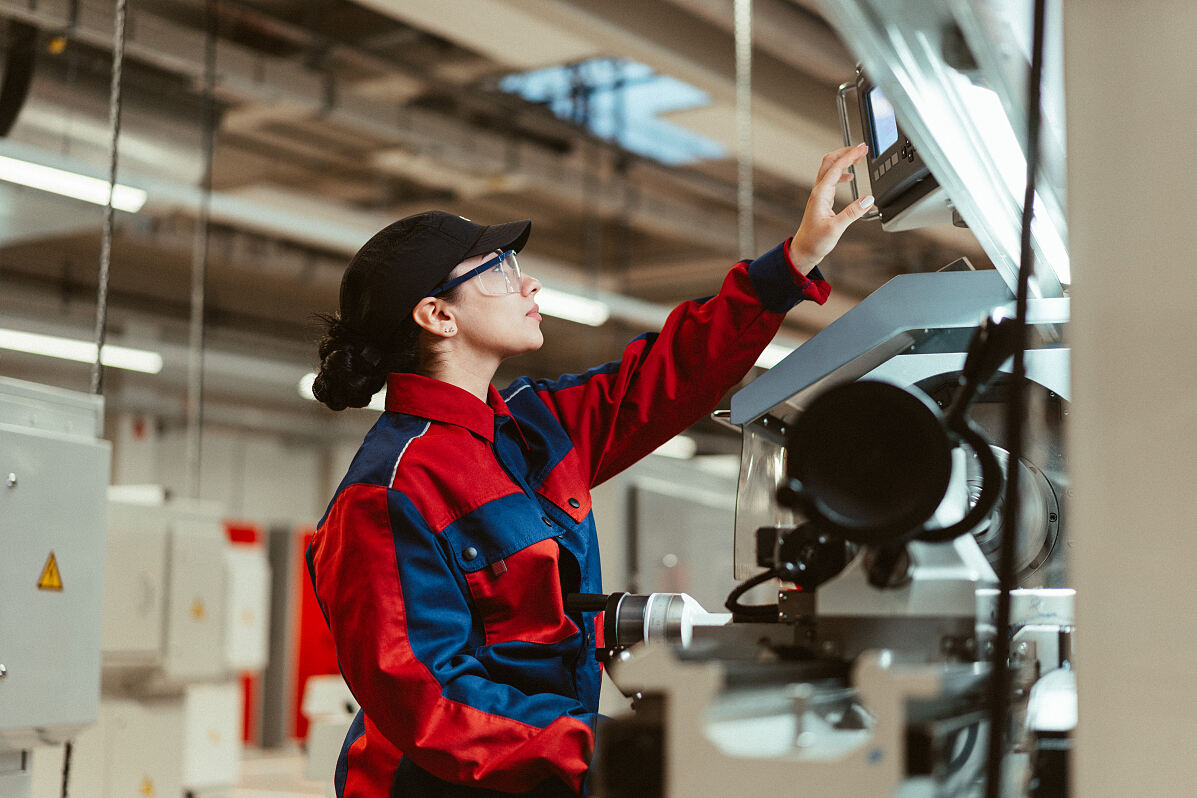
x,y
50,578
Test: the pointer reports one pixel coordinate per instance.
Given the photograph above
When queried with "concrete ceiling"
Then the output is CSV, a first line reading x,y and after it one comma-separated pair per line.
x,y
331,119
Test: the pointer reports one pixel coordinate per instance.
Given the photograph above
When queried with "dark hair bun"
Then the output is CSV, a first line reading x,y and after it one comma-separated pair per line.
x,y
350,370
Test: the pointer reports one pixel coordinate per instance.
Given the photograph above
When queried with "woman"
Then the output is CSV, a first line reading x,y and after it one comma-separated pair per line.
x,y
442,561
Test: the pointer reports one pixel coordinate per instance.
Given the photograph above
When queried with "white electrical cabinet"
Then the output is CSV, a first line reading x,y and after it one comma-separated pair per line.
x,y
135,750
211,738
247,619
53,485
186,612
134,590
166,596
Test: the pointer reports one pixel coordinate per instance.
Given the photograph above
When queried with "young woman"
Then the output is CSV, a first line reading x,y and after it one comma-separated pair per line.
x,y
443,559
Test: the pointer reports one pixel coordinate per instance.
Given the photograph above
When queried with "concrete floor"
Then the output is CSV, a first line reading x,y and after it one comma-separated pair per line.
x,y
278,774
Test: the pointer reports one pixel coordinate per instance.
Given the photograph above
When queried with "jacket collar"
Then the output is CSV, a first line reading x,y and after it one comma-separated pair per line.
x,y
432,399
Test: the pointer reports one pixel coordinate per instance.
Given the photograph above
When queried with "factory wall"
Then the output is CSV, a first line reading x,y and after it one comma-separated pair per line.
x,y
255,476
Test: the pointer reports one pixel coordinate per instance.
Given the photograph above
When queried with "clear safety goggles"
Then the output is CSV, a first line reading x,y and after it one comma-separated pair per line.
x,y
498,276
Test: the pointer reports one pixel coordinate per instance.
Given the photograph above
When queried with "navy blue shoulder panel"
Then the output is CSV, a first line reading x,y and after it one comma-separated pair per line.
x,y
374,463
547,439
565,380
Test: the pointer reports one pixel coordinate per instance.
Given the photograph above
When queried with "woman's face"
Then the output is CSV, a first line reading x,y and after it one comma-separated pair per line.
x,y
501,326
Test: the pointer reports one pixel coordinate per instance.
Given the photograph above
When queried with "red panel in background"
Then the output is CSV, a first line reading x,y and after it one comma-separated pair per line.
x,y
316,653
245,534
242,532
249,721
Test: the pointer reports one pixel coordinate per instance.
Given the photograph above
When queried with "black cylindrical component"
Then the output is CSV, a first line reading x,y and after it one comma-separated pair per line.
x,y
868,461
585,602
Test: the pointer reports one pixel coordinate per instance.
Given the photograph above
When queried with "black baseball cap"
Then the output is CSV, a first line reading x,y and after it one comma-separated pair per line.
x,y
403,262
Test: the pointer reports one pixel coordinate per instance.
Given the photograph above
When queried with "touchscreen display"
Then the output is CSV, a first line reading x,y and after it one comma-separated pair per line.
x,y
884,123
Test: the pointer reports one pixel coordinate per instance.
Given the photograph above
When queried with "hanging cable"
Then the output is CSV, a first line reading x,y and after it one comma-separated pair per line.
x,y
66,768
746,218
114,124
999,691
199,263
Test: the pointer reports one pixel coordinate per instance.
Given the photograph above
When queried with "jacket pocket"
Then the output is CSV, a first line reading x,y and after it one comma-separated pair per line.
x,y
519,597
509,557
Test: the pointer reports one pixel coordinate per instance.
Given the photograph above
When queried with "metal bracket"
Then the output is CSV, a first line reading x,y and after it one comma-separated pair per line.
x,y
723,418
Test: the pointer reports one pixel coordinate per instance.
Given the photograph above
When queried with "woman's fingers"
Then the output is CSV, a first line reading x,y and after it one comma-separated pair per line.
x,y
854,210
821,226
833,173
833,157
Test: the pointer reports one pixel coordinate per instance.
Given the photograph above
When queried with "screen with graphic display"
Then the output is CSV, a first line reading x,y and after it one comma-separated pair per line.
x,y
884,125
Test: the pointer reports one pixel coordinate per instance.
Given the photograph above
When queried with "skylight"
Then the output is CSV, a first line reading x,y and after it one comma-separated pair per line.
x,y
620,100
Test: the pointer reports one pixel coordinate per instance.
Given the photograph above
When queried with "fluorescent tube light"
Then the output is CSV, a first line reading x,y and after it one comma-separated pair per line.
x,y
572,307
378,402
119,357
774,353
71,184
146,495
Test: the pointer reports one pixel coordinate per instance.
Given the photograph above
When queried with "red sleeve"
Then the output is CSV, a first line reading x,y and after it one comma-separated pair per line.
x,y
666,381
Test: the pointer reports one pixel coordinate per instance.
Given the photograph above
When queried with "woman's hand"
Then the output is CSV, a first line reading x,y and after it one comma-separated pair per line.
x,y
821,226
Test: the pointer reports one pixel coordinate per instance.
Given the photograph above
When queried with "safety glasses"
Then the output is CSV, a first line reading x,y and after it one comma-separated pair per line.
x,y
498,276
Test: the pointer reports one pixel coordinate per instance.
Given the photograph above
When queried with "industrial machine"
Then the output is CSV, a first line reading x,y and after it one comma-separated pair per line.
x,y
869,675
54,471
875,467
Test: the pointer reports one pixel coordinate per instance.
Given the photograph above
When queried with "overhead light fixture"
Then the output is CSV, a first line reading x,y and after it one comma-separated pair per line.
x,y
148,495
70,184
774,353
572,307
120,357
377,402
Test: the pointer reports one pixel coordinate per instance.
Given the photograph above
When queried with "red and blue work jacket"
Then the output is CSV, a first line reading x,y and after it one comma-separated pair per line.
x,y
443,559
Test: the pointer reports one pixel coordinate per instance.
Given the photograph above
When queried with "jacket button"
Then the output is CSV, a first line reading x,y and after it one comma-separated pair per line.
x,y
469,554
547,521
574,503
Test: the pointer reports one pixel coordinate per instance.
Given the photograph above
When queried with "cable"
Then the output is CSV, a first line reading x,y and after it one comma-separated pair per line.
x,y
199,263
114,121
966,750
66,768
991,486
752,611
999,691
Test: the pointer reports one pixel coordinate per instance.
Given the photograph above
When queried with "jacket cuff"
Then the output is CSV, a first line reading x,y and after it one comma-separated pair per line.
x,y
780,286
812,284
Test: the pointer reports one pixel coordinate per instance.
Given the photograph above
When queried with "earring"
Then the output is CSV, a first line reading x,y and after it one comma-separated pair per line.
x,y
450,330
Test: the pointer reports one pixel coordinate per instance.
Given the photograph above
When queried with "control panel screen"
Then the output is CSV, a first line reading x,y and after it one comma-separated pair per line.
x,y
884,123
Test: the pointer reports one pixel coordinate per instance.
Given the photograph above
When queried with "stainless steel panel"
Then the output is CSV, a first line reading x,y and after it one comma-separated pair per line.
x,y
883,325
